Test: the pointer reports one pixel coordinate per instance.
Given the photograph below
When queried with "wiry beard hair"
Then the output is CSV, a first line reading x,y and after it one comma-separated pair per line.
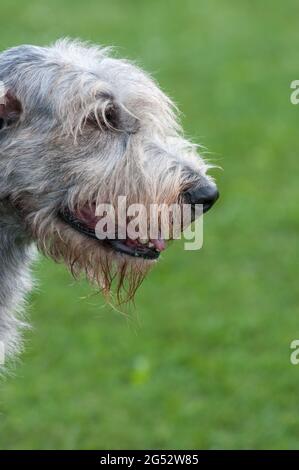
x,y
115,275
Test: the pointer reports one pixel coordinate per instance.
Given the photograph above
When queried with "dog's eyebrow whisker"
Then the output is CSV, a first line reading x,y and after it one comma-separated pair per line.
x,y
129,112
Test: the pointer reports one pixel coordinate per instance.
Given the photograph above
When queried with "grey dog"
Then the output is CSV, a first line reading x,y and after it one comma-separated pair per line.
x,y
79,127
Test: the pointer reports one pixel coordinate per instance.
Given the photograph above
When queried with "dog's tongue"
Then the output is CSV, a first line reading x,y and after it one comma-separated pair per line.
x,y
159,244
87,215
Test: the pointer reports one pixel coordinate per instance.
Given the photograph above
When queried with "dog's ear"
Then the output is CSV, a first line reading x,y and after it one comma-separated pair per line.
x,y
10,109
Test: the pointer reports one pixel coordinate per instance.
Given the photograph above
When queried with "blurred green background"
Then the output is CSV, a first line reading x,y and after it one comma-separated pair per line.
x,y
203,360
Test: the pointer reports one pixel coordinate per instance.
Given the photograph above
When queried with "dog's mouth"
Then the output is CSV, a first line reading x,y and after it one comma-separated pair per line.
x,y
85,221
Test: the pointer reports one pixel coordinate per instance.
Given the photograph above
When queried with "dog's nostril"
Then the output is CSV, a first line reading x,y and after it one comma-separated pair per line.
x,y
205,195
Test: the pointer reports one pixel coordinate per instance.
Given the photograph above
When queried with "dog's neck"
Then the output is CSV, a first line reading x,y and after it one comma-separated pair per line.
x,y
16,255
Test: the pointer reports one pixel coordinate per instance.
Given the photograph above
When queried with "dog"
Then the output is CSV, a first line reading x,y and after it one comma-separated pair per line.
x,y
80,128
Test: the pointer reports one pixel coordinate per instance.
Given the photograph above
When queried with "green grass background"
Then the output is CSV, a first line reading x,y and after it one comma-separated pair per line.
x,y
203,361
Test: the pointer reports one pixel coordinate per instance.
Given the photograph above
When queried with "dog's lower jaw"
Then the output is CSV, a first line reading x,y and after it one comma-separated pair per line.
x,y
16,256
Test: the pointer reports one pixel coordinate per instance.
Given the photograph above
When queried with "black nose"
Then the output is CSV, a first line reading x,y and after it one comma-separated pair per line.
x,y
205,195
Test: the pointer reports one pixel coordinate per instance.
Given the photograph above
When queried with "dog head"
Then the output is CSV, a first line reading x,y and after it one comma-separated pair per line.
x,y
80,129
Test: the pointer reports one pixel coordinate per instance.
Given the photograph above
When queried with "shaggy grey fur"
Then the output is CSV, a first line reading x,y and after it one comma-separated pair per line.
x,y
78,127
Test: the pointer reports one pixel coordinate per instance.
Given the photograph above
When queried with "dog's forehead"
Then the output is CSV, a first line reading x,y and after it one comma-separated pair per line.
x,y
95,67
70,76
96,64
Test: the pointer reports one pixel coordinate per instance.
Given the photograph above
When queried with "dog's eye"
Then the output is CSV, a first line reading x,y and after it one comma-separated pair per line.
x,y
107,118
111,116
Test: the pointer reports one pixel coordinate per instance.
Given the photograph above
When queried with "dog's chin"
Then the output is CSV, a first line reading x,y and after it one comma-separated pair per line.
x,y
129,247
